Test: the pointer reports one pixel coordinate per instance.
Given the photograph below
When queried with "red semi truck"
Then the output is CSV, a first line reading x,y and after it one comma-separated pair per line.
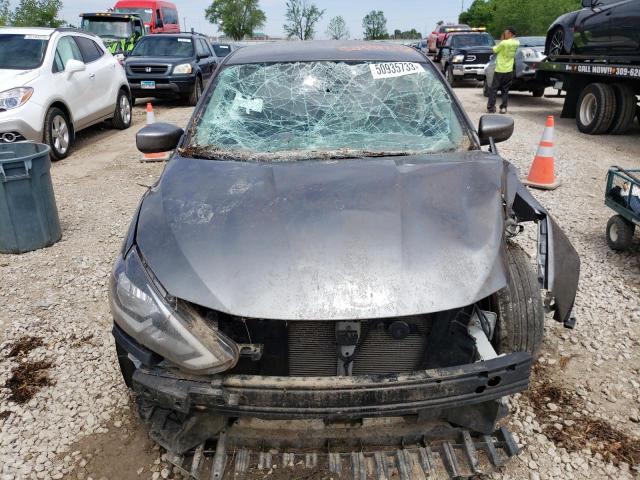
x,y
158,16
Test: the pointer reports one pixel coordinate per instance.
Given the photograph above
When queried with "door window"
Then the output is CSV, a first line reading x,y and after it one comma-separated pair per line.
x,y
201,49
170,16
66,50
90,50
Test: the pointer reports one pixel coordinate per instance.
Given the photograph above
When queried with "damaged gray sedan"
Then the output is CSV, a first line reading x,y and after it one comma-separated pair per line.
x,y
325,277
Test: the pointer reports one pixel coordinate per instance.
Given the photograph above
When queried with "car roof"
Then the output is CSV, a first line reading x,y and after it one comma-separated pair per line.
x,y
27,31
325,50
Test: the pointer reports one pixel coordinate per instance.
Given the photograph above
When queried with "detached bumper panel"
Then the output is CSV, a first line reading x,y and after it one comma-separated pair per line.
x,y
338,397
462,456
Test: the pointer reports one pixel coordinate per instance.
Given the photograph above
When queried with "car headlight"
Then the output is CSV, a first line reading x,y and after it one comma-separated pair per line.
x,y
178,334
458,59
183,69
529,53
14,98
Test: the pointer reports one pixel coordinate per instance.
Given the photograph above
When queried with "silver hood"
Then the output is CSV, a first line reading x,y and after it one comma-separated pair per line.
x,y
328,240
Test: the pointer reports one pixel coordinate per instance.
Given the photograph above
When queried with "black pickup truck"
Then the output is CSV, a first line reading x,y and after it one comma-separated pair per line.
x,y
464,55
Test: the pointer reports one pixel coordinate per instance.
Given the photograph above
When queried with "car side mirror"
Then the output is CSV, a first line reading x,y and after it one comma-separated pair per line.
x,y
158,138
74,66
496,128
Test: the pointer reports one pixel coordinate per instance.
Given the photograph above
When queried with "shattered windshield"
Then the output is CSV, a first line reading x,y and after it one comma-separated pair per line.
x,y
325,109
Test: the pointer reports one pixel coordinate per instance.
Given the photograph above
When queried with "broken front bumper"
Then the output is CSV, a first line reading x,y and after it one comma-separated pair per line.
x,y
333,398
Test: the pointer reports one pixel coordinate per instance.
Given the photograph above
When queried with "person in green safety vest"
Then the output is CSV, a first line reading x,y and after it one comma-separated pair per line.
x,y
505,63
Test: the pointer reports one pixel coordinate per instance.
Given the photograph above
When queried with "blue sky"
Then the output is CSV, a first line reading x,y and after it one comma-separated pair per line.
x,y
402,14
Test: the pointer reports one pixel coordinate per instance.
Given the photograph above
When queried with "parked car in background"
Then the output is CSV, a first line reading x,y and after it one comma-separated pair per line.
x,y
158,16
528,57
119,31
330,244
610,27
436,39
171,65
221,50
465,55
56,82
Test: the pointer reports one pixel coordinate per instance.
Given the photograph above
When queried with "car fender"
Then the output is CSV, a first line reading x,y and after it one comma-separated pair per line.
x,y
558,262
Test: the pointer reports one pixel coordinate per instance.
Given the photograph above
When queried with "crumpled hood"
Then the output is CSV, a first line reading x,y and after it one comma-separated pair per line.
x,y
328,240
16,78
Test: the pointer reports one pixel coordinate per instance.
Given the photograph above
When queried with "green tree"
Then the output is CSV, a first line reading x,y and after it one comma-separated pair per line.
x,y
528,17
5,13
38,13
374,25
337,29
301,19
236,18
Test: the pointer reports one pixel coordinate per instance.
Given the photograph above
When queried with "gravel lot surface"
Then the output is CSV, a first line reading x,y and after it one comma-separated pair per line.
x,y
65,413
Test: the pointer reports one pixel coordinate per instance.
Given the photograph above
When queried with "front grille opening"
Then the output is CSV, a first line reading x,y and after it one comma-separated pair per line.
x,y
310,348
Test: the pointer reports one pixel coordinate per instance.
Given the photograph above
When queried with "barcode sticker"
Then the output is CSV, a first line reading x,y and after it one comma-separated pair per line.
x,y
395,69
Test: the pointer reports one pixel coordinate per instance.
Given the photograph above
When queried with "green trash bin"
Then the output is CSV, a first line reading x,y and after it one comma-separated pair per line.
x,y
28,212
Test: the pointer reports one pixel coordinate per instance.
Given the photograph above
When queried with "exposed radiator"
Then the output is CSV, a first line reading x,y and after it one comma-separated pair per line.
x,y
312,349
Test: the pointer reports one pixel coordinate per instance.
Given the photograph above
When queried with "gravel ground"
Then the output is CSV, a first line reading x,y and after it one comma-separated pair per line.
x,y
64,412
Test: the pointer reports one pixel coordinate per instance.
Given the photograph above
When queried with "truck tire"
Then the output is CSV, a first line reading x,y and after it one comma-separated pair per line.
x,y
448,73
485,88
619,233
596,108
626,104
520,323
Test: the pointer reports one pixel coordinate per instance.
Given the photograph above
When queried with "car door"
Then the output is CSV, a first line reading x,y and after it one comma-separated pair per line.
x,y
592,29
204,58
624,25
101,69
75,89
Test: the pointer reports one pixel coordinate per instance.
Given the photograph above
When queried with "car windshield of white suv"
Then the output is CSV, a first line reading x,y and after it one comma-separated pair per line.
x,y
108,28
154,46
22,52
289,111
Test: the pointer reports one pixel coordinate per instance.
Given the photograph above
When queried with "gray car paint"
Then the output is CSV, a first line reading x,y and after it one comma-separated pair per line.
x,y
332,240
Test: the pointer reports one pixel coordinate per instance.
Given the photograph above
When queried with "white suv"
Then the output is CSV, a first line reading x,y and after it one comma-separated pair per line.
x,y
56,82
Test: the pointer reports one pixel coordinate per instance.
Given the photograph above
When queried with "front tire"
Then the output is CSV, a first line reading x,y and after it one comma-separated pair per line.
x,y
451,78
596,108
557,43
485,88
197,92
57,133
122,116
620,233
538,92
520,324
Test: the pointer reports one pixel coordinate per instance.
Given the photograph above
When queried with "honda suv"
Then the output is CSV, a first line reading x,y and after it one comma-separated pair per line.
x,y
56,82
171,66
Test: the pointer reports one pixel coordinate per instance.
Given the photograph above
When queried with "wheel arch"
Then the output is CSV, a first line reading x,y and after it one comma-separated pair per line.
x,y
67,111
568,36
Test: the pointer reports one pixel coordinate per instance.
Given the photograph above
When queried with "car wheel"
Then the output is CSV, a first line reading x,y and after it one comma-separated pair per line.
x,y
451,78
557,42
538,92
626,104
122,115
485,88
197,92
57,133
596,107
619,233
520,323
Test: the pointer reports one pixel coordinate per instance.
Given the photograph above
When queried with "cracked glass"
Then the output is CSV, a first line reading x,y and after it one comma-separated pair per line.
x,y
286,111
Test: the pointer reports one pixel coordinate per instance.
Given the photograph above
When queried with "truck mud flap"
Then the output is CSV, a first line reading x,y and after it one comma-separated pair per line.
x,y
464,458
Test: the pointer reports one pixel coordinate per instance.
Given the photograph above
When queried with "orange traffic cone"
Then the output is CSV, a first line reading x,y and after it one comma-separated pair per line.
x,y
542,173
154,157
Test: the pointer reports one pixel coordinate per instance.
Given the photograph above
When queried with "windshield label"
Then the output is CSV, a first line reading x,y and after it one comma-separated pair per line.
x,y
36,37
247,104
185,40
395,69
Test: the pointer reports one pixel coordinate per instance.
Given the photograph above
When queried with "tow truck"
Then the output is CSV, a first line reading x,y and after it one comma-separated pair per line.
x,y
601,91
119,31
